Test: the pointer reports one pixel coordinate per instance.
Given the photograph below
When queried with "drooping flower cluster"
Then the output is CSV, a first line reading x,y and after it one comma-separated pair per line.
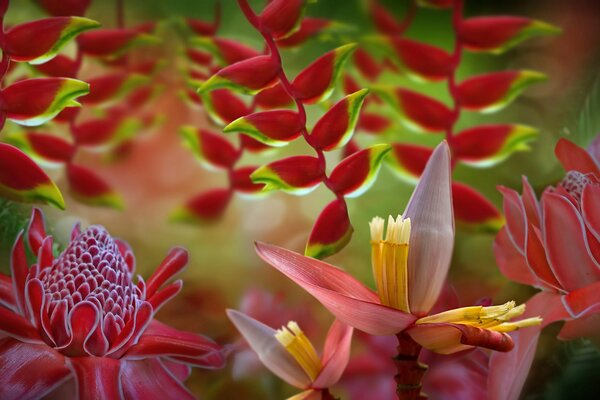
x,y
77,324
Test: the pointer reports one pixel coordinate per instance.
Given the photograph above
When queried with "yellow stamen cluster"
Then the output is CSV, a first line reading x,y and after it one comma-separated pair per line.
x,y
298,345
495,318
389,258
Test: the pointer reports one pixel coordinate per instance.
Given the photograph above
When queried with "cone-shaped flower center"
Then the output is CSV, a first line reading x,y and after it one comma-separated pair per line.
x,y
575,181
93,270
298,345
495,318
389,259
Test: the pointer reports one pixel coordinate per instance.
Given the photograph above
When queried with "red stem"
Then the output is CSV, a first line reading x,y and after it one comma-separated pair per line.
x,y
287,86
410,370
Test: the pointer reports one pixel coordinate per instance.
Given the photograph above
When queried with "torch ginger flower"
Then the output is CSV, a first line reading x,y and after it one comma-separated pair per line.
x,y
80,319
410,265
289,354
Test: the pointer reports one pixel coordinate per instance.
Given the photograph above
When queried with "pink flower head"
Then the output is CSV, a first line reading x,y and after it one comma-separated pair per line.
x,y
410,264
553,245
80,318
290,355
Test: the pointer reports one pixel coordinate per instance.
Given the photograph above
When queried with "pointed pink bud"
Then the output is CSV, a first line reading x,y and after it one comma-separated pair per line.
x,y
65,7
205,207
39,41
487,145
574,158
248,76
419,112
273,97
335,128
271,352
242,182
357,172
295,175
309,27
493,91
210,148
499,33
111,42
331,232
90,189
432,221
32,102
282,17
316,82
21,179
474,211
274,128
408,160
421,60
223,106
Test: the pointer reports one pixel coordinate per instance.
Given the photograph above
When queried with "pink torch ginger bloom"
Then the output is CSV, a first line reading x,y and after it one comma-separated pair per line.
x,y
553,245
410,265
79,321
290,355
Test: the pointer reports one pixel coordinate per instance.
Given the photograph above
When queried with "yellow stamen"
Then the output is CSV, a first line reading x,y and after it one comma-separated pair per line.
x,y
389,258
494,318
298,345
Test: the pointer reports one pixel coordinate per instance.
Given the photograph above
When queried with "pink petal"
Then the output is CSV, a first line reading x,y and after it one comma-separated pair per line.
x,y
7,296
162,340
165,294
566,244
512,264
148,379
532,207
590,198
15,325
515,217
29,371
574,158
588,326
175,261
36,232
97,377
19,270
432,220
273,355
180,371
537,261
132,330
583,301
344,296
336,354
83,320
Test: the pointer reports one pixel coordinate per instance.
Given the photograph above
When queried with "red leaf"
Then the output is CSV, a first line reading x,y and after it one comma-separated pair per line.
x,y
273,97
205,207
309,27
423,60
274,128
65,7
89,188
281,17
366,64
241,182
249,75
474,210
296,174
331,232
409,160
106,42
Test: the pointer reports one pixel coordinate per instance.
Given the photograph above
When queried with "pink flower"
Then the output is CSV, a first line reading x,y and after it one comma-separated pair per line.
x,y
78,322
410,264
290,355
553,245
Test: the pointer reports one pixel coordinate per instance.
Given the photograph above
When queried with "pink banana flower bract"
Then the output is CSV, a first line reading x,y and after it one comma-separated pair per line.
x,y
553,245
77,324
290,355
410,266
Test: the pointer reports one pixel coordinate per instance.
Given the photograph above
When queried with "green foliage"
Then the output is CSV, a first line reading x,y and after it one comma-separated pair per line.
x,y
588,124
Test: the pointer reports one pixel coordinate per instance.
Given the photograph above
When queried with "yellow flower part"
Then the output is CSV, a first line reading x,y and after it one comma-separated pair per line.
x,y
495,318
298,345
389,258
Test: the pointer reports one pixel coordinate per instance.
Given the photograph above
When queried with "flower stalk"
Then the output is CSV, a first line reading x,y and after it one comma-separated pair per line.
x,y
410,370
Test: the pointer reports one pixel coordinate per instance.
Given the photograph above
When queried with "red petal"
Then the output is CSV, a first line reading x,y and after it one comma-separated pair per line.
x,y
14,325
60,66
84,318
97,377
373,123
210,148
281,17
409,160
273,97
36,231
471,208
424,60
165,294
7,297
149,379
590,198
588,326
385,21
29,371
512,264
225,107
485,141
89,188
532,207
199,57
270,127
173,263
105,87
241,181
331,232
574,158
249,75
96,132
309,27
19,269
292,174
106,42
536,258
161,340
516,222
583,301
50,147
336,354
367,65
65,7
428,113
206,206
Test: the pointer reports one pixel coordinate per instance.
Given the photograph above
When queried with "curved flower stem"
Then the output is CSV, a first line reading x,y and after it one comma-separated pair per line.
x,y
287,86
455,62
410,370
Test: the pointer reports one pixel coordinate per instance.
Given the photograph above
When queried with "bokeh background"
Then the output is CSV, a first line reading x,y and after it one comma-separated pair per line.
x,y
159,174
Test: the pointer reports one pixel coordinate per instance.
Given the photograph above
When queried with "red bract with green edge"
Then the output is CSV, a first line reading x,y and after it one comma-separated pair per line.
x,y
203,208
43,147
331,232
247,76
89,188
210,148
275,128
421,61
111,43
78,324
295,175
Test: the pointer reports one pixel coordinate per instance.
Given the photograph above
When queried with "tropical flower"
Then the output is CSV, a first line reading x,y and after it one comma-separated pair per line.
x,y
79,323
553,245
410,264
290,355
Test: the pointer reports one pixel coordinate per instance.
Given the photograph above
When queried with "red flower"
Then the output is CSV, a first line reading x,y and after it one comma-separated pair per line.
x,y
553,245
80,319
